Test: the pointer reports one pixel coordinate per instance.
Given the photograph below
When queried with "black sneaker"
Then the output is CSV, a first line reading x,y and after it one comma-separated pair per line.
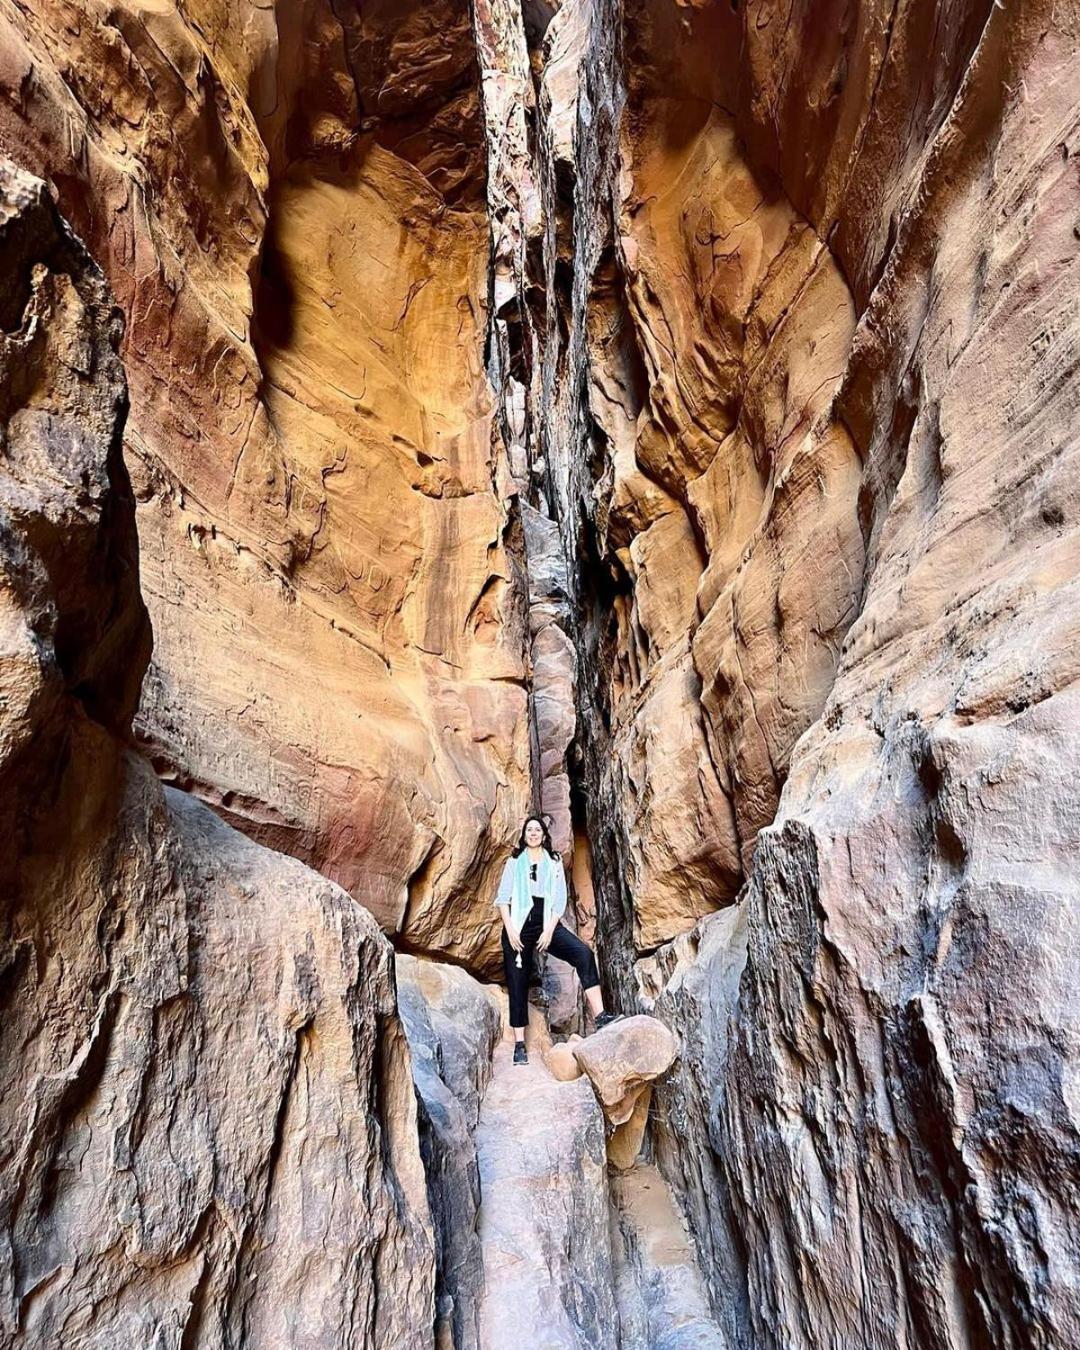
x,y
605,1019
521,1055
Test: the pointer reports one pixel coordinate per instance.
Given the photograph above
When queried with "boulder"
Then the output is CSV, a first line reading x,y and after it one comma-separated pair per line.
x,y
561,1061
623,1059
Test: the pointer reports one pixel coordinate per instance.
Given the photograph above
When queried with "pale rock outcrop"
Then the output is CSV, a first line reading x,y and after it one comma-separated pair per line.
x,y
692,986
452,1028
543,1217
207,1122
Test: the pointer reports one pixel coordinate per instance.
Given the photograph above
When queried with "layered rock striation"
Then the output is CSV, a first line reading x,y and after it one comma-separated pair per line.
x,y
661,414
452,1028
816,430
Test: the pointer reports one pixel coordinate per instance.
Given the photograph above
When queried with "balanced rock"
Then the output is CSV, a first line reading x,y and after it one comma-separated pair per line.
x,y
623,1059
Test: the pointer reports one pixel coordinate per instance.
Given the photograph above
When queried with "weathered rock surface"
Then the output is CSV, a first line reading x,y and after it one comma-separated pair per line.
x,y
452,1028
622,1061
207,1121
662,1304
624,1057
288,201
776,481
912,921
692,986
544,1212
827,317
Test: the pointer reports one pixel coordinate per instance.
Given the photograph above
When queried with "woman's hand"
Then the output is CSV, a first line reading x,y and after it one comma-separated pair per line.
x,y
544,941
515,937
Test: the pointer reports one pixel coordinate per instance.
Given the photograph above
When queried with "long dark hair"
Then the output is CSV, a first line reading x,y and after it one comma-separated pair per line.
x,y
547,836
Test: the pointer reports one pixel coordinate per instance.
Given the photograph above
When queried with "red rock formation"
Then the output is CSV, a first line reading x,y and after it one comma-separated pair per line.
x,y
207,1122
288,205
668,406
831,379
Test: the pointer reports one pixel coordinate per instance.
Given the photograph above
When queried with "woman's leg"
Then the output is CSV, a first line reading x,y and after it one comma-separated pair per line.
x,y
567,947
517,985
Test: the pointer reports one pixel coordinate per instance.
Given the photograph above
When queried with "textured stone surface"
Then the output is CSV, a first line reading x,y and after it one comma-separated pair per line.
x,y
775,483
913,920
207,1122
452,1029
622,1061
827,313
288,202
662,1304
75,632
692,986
622,1058
709,331
507,53
544,1212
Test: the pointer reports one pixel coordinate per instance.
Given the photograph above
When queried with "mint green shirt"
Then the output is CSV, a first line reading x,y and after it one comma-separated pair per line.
x,y
516,890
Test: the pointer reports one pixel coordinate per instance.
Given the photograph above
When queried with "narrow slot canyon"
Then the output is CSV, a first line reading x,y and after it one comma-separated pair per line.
x,y
658,416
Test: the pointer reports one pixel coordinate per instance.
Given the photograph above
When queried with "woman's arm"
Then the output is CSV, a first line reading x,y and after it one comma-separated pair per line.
x,y
502,899
511,932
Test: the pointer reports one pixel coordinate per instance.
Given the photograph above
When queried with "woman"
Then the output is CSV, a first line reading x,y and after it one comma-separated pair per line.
x,y
531,899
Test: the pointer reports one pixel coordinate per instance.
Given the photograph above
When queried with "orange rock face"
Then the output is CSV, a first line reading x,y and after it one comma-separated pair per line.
x,y
207,1121
290,211
831,450
658,412
727,498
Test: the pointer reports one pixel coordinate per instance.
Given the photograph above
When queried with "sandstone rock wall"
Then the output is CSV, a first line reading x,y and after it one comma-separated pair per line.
x,y
661,412
692,984
819,469
207,1122
925,953
452,1027
288,201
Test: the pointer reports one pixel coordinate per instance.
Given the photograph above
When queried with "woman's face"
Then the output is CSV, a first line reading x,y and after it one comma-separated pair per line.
x,y
534,834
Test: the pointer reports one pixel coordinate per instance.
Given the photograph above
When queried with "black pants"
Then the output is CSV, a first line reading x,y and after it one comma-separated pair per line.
x,y
564,945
